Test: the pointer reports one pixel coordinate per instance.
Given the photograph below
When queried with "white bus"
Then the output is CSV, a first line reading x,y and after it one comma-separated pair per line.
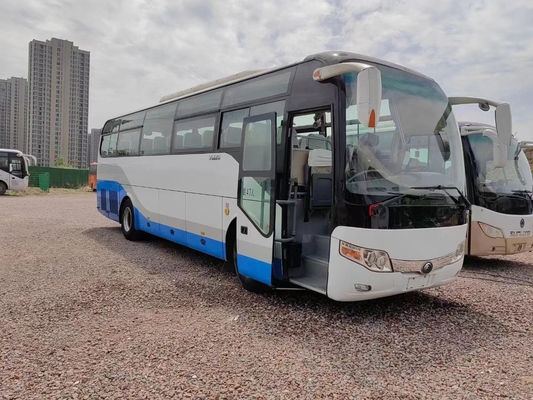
x,y
499,184
14,171
229,177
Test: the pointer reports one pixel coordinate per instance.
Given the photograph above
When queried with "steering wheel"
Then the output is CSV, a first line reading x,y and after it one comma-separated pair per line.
x,y
365,173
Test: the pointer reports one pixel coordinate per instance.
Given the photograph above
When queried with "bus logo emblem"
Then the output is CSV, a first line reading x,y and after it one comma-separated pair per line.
x,y
427,268
522,223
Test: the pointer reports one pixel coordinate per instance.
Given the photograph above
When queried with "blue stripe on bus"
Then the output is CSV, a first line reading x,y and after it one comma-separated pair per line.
x,y
249,267
109,186
255,269
201,243
277,269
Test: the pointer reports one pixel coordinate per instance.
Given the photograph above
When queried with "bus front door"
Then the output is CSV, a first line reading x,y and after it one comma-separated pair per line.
x,y
16,181
256,199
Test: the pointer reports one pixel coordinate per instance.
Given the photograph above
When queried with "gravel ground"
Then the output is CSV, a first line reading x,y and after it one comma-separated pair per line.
x,y
86,314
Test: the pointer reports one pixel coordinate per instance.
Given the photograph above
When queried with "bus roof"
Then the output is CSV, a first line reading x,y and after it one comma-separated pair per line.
x,y
327,58
11,151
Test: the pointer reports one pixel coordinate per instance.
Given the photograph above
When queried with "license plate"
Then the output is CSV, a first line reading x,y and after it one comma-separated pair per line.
x,y
418,282
518,247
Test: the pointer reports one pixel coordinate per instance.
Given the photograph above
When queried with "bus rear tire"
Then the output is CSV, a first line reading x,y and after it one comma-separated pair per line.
x,y
3,188
248,284
127,222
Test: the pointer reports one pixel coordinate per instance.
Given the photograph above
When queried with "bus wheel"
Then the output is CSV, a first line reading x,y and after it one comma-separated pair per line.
x,y
3,188
248,284
127,222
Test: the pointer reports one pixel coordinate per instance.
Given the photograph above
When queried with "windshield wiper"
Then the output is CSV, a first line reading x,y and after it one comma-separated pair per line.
x,y
444,189
399,196
525,191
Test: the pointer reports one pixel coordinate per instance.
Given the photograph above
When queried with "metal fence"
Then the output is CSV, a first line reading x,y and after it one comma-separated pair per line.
x,y
58,177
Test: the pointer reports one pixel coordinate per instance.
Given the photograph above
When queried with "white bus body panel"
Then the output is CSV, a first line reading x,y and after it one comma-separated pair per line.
x,y
517,233
14,183
416,245
182,198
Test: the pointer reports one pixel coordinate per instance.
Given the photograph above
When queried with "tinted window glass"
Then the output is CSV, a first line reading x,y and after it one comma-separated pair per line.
x,y
279,108
257,155
258,88
231,128
104,145
194,133
128,142
4,162
201,103
16,163
111,126
112,149
157,130
132,121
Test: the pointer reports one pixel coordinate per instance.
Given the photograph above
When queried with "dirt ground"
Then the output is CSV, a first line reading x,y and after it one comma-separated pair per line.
x,y
86,314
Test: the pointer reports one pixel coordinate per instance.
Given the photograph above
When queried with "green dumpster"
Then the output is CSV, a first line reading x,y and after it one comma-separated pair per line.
x,y
44,181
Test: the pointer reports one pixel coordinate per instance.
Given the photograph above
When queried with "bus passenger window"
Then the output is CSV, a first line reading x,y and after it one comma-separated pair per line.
x,y
194,133
157,130
231,128
128,143
4,162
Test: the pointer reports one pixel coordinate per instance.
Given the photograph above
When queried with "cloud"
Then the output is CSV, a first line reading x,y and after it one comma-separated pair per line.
x,y
143,50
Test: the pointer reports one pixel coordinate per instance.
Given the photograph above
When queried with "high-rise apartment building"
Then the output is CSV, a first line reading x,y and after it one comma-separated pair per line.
x,y
94,141
13,93
58,102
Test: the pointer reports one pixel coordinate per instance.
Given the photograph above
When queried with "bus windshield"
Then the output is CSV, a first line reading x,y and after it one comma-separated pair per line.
x,y
515,178
415,144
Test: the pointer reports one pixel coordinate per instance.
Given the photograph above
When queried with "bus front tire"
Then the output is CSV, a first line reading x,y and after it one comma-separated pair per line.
x,y
3,188
127,222
248,284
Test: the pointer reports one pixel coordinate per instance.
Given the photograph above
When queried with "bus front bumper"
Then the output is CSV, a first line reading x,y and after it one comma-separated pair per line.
x,y
410,251
483,245
351,281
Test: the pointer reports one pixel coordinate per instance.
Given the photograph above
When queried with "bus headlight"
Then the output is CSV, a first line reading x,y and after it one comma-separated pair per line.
x,y
491,231
374,260
459,252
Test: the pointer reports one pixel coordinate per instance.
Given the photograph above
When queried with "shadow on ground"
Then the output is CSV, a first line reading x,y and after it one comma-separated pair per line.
x,y
220,288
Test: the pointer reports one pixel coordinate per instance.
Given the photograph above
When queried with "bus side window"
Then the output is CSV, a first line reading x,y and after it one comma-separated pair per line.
x,y
279,108
194,133
4,162
112,150
157,130
104,147
16,166
231,128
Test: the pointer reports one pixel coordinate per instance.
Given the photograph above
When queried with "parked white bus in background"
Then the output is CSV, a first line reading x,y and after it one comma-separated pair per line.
x,y
228,176
499,185
14,170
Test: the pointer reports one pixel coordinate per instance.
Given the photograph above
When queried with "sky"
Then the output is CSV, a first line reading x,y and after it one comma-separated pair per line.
x,y
142,50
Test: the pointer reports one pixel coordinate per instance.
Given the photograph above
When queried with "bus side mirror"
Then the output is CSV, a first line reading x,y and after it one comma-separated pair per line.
x,y
499,150
504,123
369,88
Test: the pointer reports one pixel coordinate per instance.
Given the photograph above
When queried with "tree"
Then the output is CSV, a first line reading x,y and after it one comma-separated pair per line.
x,y
60,163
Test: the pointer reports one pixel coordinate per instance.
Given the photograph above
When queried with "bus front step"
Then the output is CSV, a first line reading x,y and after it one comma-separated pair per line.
x,y
316,274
